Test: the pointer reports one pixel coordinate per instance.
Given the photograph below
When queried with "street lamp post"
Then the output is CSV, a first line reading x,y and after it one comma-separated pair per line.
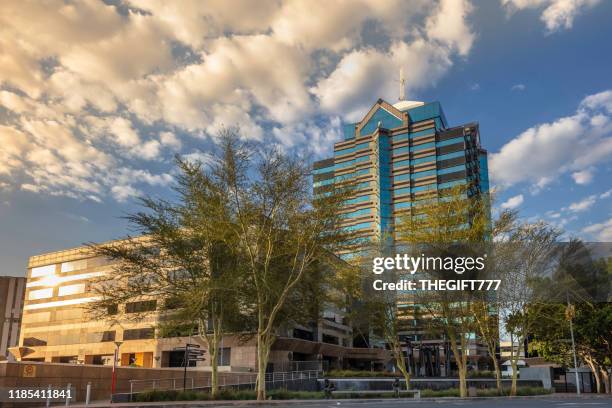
x,y
114,378
570,312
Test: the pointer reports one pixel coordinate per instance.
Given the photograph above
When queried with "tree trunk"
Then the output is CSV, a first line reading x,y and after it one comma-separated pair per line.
x,y
263,352
514,363
462,381
214,371
460,365
400,361
595,371
212,342
606,380
498,381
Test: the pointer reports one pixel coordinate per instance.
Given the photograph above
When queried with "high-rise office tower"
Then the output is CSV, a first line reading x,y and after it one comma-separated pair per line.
x,y
397,156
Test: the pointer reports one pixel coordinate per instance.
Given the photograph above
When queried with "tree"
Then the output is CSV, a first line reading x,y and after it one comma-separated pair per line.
x,y
579,291
449,217
522,259
279,230
181,266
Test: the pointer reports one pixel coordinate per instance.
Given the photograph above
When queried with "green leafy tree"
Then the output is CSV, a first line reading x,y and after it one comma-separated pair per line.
x,y
449,217
280,232
181,263
522,259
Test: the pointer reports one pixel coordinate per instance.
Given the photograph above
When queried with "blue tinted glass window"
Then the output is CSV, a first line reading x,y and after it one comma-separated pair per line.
x,y
405,190
424,173
451,184
324,182
401,177
348,130
451,169
423,146
422,160
424,188
422,133
450,141
401,150
358,213
358,226
386,119
401,163
406,204
399,138
323,170
359,199
451,155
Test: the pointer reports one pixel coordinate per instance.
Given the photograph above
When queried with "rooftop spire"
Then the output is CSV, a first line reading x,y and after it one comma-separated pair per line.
x,y
402,85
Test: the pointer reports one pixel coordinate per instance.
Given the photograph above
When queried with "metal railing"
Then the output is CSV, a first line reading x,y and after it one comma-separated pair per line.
x,y
229,380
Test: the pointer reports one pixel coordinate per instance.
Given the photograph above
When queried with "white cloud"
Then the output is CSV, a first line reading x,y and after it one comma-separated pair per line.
x,y
95,93
122,193
606,194
513,202
601,231
170,140
583,176
583,204
364,72
199,156
518,87
556,14
573,144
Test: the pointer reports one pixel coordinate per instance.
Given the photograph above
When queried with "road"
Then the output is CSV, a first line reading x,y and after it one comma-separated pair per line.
x,y
551,402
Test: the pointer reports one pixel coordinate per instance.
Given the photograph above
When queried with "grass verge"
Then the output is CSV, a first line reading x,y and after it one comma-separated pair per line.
x,y
155,396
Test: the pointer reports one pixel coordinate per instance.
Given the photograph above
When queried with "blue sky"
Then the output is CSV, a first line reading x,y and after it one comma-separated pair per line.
x,y
95,99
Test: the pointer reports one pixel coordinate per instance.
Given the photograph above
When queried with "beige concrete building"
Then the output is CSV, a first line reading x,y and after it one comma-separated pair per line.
x,y
12,291
56,327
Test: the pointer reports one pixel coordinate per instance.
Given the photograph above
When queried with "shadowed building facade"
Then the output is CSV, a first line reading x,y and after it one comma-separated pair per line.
x,y
12,290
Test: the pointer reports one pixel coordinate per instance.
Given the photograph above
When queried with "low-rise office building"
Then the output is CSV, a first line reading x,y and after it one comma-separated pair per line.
x,y
12,290
57,328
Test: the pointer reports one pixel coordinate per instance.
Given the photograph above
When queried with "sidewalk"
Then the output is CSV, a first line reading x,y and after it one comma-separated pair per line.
x,y
252,403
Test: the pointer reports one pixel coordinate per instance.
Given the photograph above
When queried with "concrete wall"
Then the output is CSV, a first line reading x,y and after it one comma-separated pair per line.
x,y
545,374
12,375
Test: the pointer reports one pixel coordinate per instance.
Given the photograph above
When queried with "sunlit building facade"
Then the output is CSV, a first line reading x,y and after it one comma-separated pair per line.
x,y
398,157
56,327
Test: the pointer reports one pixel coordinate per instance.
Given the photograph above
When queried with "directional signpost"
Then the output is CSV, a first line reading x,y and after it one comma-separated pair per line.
x,y
192,352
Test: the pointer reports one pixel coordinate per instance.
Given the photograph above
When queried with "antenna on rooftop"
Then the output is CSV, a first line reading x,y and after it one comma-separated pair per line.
x,y
402,85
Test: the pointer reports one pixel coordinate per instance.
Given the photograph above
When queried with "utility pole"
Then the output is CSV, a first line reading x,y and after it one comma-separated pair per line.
x,y
185,363
114,375
570,311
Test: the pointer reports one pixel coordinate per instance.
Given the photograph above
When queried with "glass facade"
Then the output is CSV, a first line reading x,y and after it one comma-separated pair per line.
x,y
402,157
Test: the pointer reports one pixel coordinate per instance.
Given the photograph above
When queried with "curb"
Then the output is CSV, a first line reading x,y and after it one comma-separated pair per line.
x,y
247,403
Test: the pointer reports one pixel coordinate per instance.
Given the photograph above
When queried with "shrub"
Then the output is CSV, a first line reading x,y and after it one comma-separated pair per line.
x,y
480,374
360,373
228,394
450,392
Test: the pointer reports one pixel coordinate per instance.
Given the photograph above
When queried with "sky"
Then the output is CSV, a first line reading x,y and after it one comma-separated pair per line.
x,y
96,98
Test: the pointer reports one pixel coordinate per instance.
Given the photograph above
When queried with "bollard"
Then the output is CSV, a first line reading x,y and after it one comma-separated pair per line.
x,y
88,394
67,395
